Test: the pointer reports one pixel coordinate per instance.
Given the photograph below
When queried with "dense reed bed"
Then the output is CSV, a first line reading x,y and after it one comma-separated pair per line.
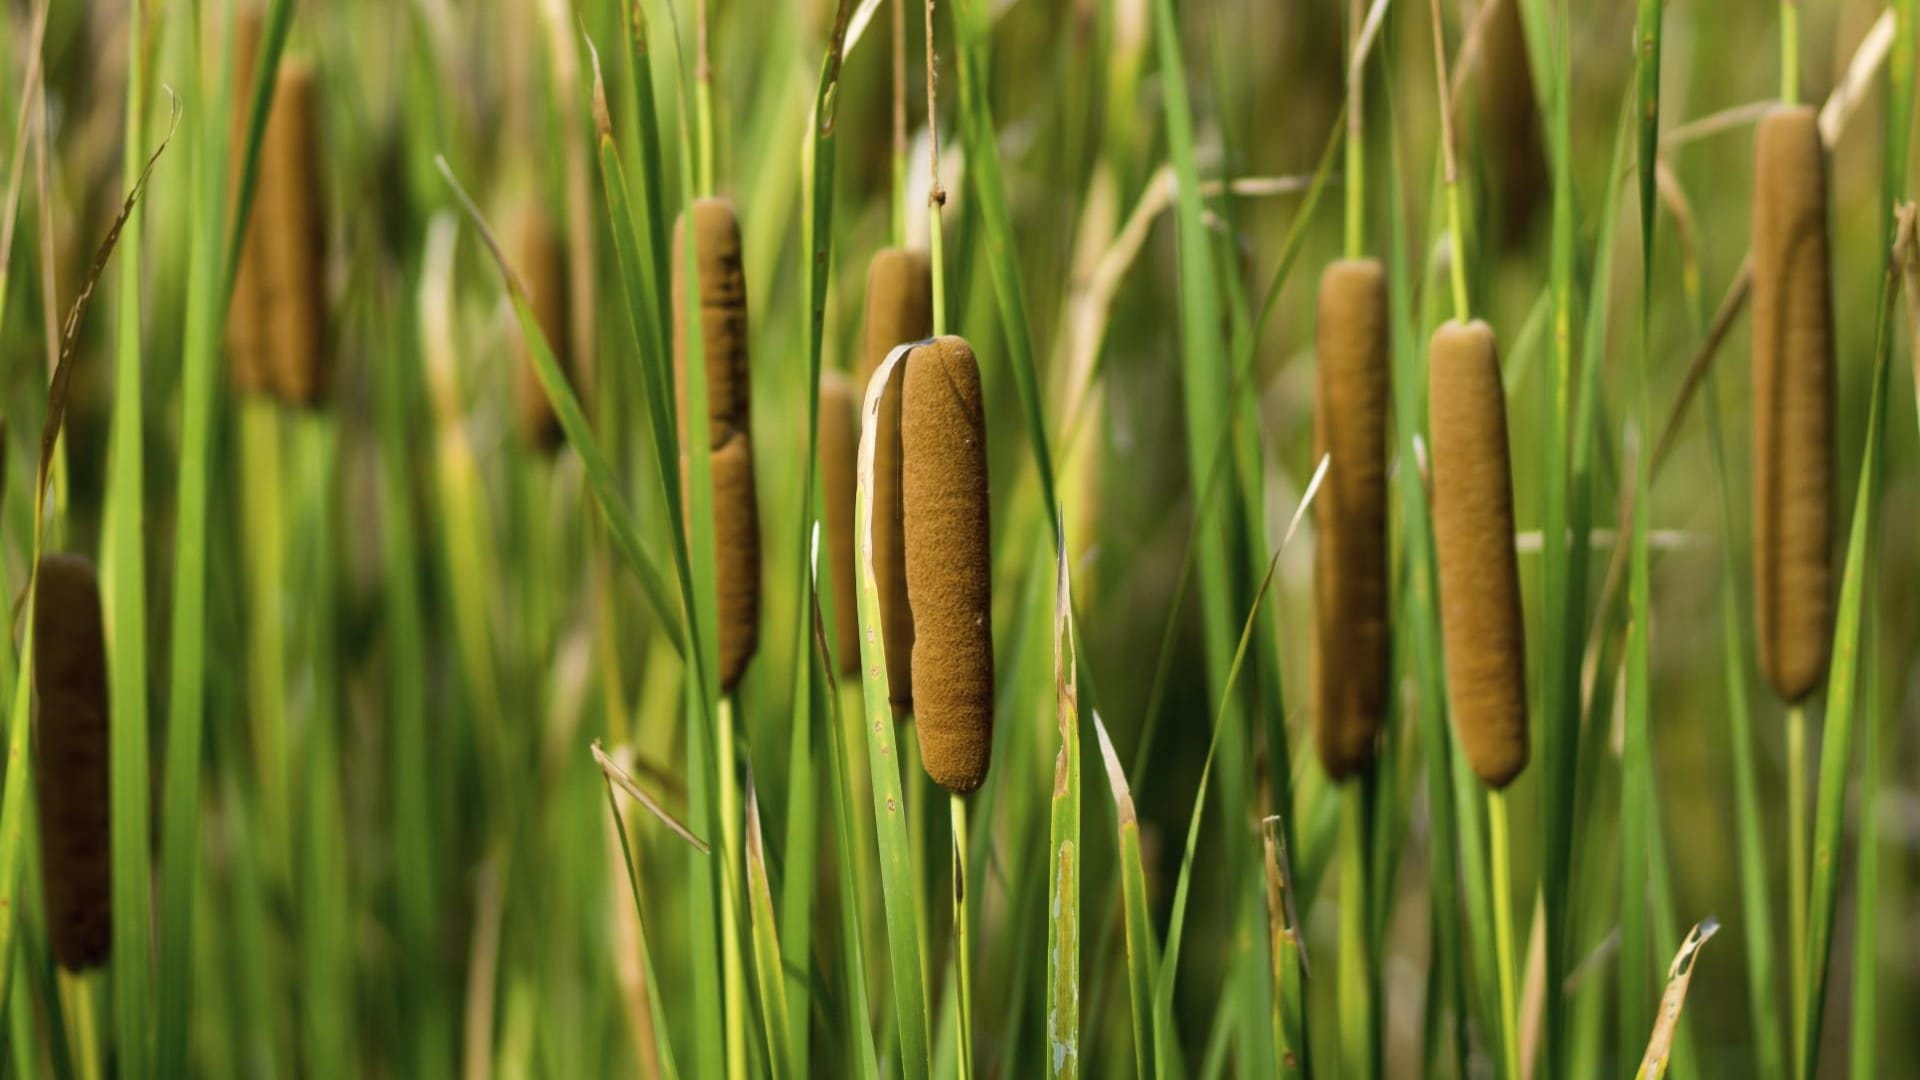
x,y
584,587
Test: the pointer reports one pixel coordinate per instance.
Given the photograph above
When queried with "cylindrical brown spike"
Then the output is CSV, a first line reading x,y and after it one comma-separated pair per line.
x,y
723,318
839,453
1510,120
736,558
70,753
1480,618
1350,647
949,568
288,206
248,343
1792,403
543,266
899,311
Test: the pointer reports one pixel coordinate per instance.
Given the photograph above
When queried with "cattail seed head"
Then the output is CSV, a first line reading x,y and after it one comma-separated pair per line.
x,y
722,283
949,570
736,557
1792,402
70,754
1510,120
839,461
277,327
249,344
899,310
1350,654
736,520
1480,618
542,261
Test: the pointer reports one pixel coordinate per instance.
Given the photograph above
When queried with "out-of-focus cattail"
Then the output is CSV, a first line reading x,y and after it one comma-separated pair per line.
x,y
277,326
949,570
70,753
839,454
723,317
899,311
1510,119
1350,658
543,266
249,343
1792,402
723,326
1480,617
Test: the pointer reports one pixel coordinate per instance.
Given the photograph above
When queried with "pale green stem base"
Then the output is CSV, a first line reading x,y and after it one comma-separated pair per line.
x,y
1503,930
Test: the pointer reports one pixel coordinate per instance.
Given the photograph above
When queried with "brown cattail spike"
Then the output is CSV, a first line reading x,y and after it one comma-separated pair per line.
x,y
723,317
1480,617
899,311
70,753
723,329
949,571
839,454
1350,657
285,254
1792,402
543,266
248,343
1509,119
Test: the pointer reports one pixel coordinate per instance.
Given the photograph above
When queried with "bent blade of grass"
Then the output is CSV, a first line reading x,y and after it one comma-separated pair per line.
x,y
1653,1064
661,1031
896,865
1063,882
1844,673
621,524
622,779
1133,895
766,948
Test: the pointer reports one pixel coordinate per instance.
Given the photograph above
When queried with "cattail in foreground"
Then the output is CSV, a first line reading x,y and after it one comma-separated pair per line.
x,y
723,327
1510,120
543,266
949,572
278,325
839,462
1350,658
899,311
70,753
1480,618
1792,402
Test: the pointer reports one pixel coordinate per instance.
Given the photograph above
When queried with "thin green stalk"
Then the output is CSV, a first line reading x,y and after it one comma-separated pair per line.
x,y
1355,178
124,556
1790,51
1862,1059
1797,878
1503,930
1066,855
962,938
1357,1007
1449,156
703,106
732,968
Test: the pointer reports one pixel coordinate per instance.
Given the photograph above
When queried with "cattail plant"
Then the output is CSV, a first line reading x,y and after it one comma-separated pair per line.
x,y
1792,402
943,490
722,286
839,462
1483,632
1350,645
277,322
70,753
1510,133
899,310
543,266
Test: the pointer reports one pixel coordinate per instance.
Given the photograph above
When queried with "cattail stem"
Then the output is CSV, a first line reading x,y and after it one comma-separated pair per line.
x,y
1355,179
899,226
702,106
1797,868
1503,930
733,971
936,195
1358,1028
76,1000
1456,250
1790,51
963,1003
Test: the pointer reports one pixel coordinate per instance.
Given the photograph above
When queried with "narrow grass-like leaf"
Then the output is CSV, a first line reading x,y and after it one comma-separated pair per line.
x,y
1843,676
896,864
624,780
661,1032
1063,845
1133,894
766,948
1653,1064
